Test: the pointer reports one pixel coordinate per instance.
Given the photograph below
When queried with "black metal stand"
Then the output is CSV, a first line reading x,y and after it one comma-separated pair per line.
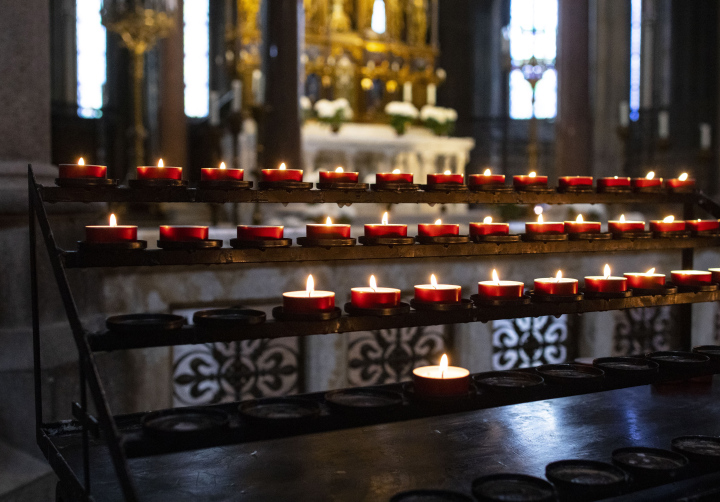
x,y
325,243
86,182
260,243
386,241
157,183
345,187
110,247
395,187
284,185
191,245
445,187
441,307
225,185
400,309
443,239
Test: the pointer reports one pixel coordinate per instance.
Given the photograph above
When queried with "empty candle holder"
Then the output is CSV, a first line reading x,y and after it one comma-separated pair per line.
x,y
515,487
702,451
576,376
430,496
650,466
279,411
678,364
183,424
227,319
364,401
586,479
145,323
713,352
510,385
628,370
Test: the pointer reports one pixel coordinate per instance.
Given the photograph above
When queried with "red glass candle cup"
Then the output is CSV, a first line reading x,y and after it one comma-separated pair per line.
x,y
381,178
599,284
691,277
547,227
557,287
369,298
302,302
442,293
376,230
582,227
646,183
81,171
159,173
432,381
324,231
575,181
274,175
435,179
527,180
486,179
678,183
336,177
489,229
614,182
217,174
638,280
702,225
618,227
667,226
106,233
715,275
438,230
500,289
259,232
183,233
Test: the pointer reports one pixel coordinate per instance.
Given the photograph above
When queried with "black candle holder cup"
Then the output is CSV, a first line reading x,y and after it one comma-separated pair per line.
x,y
445,187
133,324
661,291
111,247
500,301
705,233
224,185
86,182
628,371
190,245
227,319
430,496
280,411
586,480
443,239
603,295
650,466
695,288
515,487
463,304
395,187
308,242
386,241
713,352
364,402
157,183
680,365
575,376
343,186
702,451
402,308
185,424
321,315
290,186
260,243
510,386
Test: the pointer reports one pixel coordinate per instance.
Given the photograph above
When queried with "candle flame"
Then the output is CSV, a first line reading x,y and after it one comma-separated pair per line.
x,y
668,219
385,218
443,365
650,272
373,283
328,221
488,219
433,281
683,177
607,271
81,161
487,172
222,165
310,288
579,219
113,221
339,169
540,218
438,221
622,218
495,277
282,166
532,174
396,171
558,276
161,163
447,171
650,175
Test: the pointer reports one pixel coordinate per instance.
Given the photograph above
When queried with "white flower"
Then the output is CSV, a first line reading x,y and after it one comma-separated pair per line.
x,y
324,108
401,109
305,103
438,114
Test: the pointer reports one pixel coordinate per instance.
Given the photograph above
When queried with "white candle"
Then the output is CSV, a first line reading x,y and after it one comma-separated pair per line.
x,y
705,136
257,87
407,92
624,113
663,125
214,109
237,95
431,94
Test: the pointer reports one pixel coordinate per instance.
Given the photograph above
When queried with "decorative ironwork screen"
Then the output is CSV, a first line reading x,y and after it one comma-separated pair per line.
x,y
532,341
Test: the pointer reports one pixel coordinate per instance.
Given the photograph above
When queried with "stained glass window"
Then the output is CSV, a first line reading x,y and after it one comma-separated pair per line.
x,y
91,59
196,68
635,48
533,48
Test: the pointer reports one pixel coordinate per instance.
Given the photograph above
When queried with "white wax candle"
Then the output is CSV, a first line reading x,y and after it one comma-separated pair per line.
x,y
214,109
705,136
431,94
624,114
663,125
237,95
407,92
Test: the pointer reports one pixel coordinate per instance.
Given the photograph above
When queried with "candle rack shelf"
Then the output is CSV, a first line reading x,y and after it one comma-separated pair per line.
x,y
121,434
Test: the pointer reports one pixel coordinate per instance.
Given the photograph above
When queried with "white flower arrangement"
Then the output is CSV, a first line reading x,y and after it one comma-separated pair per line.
x,y
401,114
440,120
305,103
334,112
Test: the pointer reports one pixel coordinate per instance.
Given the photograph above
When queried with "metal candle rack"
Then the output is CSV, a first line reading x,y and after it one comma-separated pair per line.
x,y
49,435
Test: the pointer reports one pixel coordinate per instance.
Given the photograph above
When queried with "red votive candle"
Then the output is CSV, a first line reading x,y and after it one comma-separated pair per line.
x,y
281,174
681,181
437,293
375,230
582,227
544,227
259,232
110,233
575,181
221,173
81,170
614,182
500,289
647,280
669,224
394,177
702,225
557,286
620,226
338,176
531,179
690,277
715,274
159,172
606,283
441,380
487,227
308,301
438,229
374,297
446,177
183,233
487,178
648,181
327,231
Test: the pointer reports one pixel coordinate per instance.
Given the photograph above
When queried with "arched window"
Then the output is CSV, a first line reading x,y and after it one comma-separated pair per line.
x,y
196,66
91,58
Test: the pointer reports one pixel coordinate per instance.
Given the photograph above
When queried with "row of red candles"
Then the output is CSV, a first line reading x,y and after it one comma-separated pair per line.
x,y
82,170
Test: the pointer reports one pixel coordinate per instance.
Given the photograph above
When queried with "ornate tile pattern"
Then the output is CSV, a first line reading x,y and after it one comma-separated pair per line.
x,y
531,341
642,330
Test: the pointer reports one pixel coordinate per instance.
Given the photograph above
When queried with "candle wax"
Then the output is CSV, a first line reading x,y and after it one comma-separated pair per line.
x,y
432,381
442,293
553,286
322,231
259,232
368,298
302,302
183,233
501,289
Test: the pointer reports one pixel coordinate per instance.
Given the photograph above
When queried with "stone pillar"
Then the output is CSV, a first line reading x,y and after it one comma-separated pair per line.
x,y
574,126
173,127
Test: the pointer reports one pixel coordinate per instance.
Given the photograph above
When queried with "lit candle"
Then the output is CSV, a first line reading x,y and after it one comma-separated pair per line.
x,y
281,174
575,181
259,232
308,301
667,224
384,229
702,225
437,293
338,176
81,170
159,172
691,277
682,181
110,233
327,231
497,289
486,178
487,227
374,297
531,179
621,225
649,181
579,226
556,286
438,229
606,283
221,173
446,177
613,182
394,177
441,380
647,280
183,233
544,227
